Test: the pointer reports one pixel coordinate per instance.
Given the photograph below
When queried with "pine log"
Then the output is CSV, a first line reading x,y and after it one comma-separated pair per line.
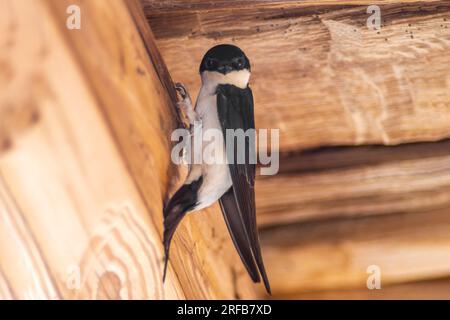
x,y
423,290
178,6
356,181
319,74
85,166
335,254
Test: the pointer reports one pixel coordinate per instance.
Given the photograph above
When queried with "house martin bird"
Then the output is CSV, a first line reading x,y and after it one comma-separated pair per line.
x,y
224,102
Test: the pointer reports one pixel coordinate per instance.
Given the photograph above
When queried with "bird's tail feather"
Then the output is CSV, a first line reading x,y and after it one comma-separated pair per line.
x,y
184,200
245,238
238,233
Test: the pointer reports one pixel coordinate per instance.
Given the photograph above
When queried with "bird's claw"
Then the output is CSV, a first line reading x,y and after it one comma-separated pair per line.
x,y
182,90
185,105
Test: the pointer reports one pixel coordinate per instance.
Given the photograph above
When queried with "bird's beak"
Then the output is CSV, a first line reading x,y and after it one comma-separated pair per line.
x,y
224,69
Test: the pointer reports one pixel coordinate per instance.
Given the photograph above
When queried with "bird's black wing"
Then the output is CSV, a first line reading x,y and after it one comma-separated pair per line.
x,y
235,111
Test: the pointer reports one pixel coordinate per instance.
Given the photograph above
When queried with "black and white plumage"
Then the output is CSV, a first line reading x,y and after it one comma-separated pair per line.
x,y
225,101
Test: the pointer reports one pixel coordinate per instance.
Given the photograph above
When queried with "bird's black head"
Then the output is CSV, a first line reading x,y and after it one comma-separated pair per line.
x,y
224,58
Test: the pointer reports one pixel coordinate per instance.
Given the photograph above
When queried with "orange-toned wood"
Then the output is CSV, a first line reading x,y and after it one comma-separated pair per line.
x,y
86,117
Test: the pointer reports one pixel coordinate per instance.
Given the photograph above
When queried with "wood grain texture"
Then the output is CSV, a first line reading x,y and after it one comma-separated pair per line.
x,y
318,73
438,289
85,120
335,254
85,167
355,181
5,290
36,281
157,7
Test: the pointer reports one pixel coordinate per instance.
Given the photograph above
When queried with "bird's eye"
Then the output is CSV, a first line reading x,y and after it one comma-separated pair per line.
x,y
239,62
210,63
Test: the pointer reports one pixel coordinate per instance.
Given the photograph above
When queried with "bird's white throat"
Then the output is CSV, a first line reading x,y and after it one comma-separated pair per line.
x,y
212,79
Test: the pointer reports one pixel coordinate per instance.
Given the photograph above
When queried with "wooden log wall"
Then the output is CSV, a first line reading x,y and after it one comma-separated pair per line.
x,y
85,122
319,74
364,119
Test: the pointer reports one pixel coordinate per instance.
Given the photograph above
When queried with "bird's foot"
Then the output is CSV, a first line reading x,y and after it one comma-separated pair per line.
x,y
182,91
186,104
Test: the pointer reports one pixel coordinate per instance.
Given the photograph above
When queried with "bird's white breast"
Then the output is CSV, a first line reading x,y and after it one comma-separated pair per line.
x,y
216,176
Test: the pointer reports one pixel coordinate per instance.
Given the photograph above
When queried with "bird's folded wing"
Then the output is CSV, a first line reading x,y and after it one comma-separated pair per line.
x,y
235,111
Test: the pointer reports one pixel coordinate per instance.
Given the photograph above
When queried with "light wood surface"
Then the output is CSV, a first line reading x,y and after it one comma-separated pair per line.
x,y
319,74
85,168
335,254
178,6
350,182
438,289
85,123
364,127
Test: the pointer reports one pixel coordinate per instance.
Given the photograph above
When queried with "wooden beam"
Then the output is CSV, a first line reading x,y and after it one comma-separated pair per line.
x,y
319,74
157,7
85,163
335,254
438,289
356,181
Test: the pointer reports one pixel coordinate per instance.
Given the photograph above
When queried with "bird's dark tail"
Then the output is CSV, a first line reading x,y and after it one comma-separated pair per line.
x,y
182,202
244,233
